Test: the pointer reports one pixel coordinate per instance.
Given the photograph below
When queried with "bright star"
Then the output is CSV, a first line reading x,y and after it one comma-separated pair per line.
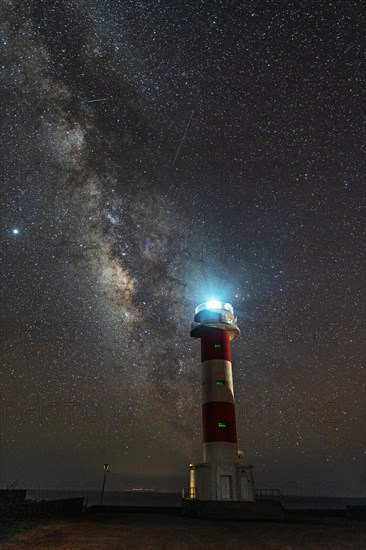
x,y
15,231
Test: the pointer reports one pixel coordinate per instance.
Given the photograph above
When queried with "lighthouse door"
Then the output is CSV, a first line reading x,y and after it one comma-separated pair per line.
x,y
244,488
226,488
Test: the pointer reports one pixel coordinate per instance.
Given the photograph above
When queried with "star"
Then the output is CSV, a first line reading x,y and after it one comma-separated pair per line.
x,y
221,160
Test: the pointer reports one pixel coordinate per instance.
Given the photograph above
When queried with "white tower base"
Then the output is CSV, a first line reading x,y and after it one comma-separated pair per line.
x,y
224,482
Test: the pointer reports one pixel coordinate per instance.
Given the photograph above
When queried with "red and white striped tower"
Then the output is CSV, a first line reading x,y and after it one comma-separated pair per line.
x,y
219,477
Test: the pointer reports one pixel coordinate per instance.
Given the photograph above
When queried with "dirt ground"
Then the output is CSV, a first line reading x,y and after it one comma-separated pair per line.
x,y
159,532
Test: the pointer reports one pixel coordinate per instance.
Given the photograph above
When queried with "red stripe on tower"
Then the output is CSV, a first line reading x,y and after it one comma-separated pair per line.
x,y
218,422
215,344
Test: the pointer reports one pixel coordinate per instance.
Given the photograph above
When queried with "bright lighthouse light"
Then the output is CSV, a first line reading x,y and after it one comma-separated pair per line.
x,y
213,304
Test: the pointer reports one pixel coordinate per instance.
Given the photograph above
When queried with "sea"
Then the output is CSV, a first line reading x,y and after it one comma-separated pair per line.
x,y
154,498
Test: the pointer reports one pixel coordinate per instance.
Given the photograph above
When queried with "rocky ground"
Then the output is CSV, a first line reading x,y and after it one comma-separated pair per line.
x,y
159,532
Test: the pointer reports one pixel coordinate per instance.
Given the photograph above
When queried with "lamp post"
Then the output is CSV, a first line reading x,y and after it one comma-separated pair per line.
x,y
106,469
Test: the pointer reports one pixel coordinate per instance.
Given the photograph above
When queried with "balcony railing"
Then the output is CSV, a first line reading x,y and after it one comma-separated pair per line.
x,y
214,306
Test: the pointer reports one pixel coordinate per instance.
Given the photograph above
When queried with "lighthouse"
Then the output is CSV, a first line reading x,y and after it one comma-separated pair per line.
x,y
222,476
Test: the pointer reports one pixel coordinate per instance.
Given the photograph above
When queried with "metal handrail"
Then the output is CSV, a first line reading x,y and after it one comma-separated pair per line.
x,y
223,306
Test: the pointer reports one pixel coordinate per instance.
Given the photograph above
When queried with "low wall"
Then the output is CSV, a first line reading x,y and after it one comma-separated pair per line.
x,y
261,509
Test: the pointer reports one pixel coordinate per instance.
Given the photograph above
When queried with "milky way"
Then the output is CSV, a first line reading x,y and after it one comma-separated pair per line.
x,y
155,155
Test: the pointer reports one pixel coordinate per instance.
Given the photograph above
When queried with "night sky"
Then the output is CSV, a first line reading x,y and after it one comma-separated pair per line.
x,y
156,154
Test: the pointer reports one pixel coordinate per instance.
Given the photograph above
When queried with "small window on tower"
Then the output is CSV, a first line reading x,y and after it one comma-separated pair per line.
x,y
220,382
222,424
217,345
